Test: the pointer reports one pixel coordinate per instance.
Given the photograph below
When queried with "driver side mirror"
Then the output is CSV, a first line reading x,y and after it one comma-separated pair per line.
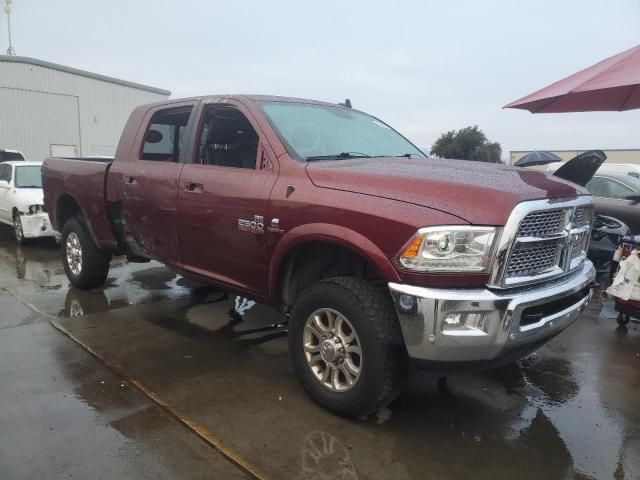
x,y
635,198
4,184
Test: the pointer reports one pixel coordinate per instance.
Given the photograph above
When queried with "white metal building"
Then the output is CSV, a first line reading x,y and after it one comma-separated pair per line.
x,y
53,110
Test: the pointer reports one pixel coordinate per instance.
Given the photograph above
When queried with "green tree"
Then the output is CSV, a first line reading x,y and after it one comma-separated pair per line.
x,y
468,143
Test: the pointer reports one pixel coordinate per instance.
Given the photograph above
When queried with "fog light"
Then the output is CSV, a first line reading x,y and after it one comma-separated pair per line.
x,y
464,324
406,302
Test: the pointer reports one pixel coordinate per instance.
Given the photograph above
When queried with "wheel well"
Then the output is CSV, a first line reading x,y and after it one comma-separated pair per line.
x,y
313,261
67,208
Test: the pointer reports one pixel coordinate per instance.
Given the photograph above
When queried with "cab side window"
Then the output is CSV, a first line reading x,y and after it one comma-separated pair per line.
x,y
163,137
606,188
227,139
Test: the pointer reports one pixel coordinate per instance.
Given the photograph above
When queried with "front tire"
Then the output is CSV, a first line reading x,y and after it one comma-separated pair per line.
x,y
18,230
85,264
346,346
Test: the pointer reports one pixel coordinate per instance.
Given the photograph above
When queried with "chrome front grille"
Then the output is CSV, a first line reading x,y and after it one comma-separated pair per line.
x,y
543,239
579,243
541,224
532,259
583,216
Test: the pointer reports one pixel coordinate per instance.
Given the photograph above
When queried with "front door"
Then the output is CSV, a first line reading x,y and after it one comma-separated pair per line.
x,y
224,200
150,194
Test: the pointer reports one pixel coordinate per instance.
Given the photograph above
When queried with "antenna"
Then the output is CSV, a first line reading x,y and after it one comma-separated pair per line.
x,y
7,10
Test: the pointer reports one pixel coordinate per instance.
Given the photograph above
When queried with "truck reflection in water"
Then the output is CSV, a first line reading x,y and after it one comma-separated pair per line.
x,y
216,313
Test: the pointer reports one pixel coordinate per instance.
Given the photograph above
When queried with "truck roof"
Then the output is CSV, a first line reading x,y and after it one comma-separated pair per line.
x,y
249,97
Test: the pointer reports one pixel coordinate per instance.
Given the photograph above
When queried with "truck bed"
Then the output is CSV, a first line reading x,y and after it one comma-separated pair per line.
x,y
79,183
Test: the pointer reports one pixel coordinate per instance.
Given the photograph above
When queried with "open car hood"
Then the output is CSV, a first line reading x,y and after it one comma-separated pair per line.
x,y
582,168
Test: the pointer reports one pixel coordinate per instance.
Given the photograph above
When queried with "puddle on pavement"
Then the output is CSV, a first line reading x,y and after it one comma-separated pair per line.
x,y
551,415
566,412
35,274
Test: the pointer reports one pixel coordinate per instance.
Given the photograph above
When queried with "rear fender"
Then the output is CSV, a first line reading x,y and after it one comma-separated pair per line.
x,y
83,214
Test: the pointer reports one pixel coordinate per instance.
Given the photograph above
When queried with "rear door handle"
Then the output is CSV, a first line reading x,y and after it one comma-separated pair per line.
x,y
131,180
193,187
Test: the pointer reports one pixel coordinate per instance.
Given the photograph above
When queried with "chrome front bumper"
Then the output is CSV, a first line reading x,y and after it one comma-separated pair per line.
x,y
471,325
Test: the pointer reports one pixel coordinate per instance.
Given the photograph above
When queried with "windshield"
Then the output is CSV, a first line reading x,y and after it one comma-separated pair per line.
x,y
311,131
28,177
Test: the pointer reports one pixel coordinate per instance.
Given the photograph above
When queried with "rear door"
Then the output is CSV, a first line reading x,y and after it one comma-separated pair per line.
x,y
224,199
150,192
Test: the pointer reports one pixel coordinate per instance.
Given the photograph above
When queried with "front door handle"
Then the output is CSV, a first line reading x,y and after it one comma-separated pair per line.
x,y
131,180
193,187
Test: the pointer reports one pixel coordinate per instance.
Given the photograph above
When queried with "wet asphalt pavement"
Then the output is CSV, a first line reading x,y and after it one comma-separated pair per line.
x,y
156,377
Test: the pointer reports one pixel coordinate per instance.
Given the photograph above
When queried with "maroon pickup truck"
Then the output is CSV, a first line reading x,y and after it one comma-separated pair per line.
x,y
377,253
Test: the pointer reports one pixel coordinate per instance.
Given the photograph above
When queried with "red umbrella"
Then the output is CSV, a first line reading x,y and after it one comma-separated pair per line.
x,y
609,85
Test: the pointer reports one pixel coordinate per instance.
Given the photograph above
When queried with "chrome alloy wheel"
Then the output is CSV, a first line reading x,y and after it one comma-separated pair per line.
x,y
332,350
74,253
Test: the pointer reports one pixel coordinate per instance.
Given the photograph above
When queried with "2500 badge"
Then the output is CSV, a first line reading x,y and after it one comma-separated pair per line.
x,y
254,226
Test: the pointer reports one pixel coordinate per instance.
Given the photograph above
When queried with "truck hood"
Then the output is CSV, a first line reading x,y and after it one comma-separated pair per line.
x,y
24,197
479,193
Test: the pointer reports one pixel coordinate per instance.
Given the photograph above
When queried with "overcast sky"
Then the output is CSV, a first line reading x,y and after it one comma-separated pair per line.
x,y
423,66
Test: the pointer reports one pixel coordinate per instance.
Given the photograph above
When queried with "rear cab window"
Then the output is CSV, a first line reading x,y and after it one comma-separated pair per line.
x,y
164,136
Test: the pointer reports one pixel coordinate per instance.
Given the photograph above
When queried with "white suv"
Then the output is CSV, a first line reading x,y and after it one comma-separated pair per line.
x,y
11,155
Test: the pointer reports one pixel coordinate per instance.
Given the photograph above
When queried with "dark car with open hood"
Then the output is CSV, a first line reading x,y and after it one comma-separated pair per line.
x,y
617,194
376,254
616,198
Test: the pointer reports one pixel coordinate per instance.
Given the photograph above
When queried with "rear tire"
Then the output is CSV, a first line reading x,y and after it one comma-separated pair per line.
x,y
365,321
85,264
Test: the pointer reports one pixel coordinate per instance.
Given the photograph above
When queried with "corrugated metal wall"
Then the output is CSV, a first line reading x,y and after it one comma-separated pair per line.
x,y
41,106
29,123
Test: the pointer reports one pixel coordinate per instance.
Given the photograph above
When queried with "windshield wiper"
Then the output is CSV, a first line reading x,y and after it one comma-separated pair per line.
x,y
343,155
28,186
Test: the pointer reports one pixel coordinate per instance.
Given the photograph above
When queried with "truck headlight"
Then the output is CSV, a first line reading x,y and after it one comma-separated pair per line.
x,y
33,209
449,249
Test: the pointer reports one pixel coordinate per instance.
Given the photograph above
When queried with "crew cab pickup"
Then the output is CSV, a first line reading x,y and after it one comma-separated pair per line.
x,y
377,253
